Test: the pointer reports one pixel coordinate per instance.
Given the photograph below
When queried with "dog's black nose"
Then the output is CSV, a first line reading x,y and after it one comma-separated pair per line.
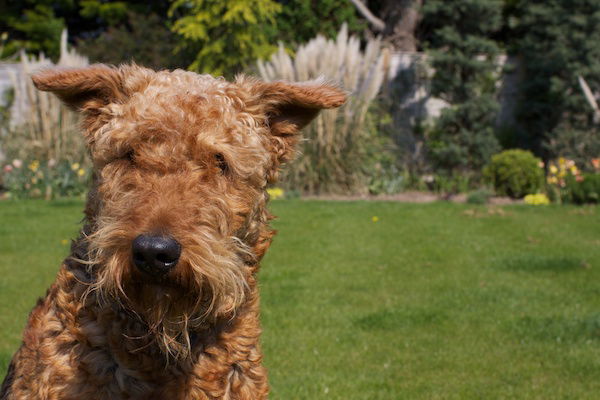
x,y
155,255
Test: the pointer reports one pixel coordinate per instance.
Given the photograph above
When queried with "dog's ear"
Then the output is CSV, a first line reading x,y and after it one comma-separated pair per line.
x,y
289,107
83,89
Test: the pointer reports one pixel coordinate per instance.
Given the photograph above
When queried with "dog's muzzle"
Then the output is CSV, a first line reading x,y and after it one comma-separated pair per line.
x,y
155,255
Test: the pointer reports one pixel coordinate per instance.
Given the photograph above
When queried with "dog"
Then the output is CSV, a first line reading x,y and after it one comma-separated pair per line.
x,y
158,298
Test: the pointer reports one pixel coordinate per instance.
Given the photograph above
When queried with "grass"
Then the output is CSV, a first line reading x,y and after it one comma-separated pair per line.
x,y
435,301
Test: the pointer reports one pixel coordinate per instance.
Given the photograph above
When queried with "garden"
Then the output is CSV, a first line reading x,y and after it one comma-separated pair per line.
x,y
437,234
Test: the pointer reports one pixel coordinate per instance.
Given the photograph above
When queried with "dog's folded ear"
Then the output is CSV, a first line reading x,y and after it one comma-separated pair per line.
x,y
289,107
83,89
292,106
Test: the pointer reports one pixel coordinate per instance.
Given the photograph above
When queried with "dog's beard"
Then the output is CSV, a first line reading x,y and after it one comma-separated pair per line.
x,y
208,283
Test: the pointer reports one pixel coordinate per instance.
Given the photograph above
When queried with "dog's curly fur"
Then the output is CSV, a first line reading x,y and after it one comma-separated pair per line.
x,y
178,154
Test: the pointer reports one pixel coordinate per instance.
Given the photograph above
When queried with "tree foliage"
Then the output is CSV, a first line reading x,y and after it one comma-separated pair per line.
x,y
301,20
464,58
227,35
34,25
557,41
143,39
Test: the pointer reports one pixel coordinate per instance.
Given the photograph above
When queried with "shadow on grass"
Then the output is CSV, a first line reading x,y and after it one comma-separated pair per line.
x,y
397,319
538,262
559,328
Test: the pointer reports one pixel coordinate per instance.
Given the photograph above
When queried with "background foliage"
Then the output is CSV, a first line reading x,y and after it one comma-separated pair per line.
x,y
464,58
226,35
557,42
464,44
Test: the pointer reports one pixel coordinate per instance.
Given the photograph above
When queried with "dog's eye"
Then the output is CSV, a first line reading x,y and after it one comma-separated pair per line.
x,y
221,163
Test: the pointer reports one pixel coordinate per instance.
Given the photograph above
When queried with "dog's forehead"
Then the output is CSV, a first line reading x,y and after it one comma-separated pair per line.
x,y
186,114
189,101
181,86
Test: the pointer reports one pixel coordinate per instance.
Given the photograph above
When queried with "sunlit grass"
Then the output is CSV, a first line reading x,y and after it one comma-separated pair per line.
x,y
424,301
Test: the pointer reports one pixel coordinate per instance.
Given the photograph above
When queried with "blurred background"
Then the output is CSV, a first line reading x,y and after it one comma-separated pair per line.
x,y
438,233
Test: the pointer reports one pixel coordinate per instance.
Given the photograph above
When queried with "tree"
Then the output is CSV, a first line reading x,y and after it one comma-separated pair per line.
x,y
34,25
301,20
397,22
557,41
458,35
226,35
144,39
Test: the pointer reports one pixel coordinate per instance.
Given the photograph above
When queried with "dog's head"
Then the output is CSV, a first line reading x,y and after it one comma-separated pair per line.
x,y
176,216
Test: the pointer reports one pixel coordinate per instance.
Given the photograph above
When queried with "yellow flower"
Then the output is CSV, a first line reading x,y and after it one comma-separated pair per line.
x,y
275,193
553,169
574,170
75,166
64,242
539,199
561,161
81,172
375,218
35,164
34,180
552,180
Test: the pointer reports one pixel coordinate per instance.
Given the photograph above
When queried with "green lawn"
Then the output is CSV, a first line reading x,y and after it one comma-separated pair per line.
x,y
435,301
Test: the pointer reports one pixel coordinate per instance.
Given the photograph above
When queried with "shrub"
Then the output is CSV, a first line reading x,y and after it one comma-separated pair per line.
x,y
539,199
515,173
582,191
480,196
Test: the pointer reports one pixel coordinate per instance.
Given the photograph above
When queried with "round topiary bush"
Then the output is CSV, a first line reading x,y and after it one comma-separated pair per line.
x,y
515,173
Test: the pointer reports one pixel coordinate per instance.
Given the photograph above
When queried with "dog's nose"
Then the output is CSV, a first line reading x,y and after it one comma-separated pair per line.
x,y
155,255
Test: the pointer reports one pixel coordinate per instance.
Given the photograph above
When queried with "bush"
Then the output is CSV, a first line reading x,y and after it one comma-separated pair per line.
x,y
480,196
515,173
582,191
539,199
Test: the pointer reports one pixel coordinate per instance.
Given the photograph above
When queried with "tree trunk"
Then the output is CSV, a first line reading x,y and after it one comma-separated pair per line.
x,y
401,18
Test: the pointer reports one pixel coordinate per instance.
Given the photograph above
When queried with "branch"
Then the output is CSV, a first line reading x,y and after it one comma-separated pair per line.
x,y
590,98
378,24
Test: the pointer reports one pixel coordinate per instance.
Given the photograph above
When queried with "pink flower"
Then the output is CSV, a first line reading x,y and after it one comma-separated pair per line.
x,y
596,163
17,163
7,168
579,178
